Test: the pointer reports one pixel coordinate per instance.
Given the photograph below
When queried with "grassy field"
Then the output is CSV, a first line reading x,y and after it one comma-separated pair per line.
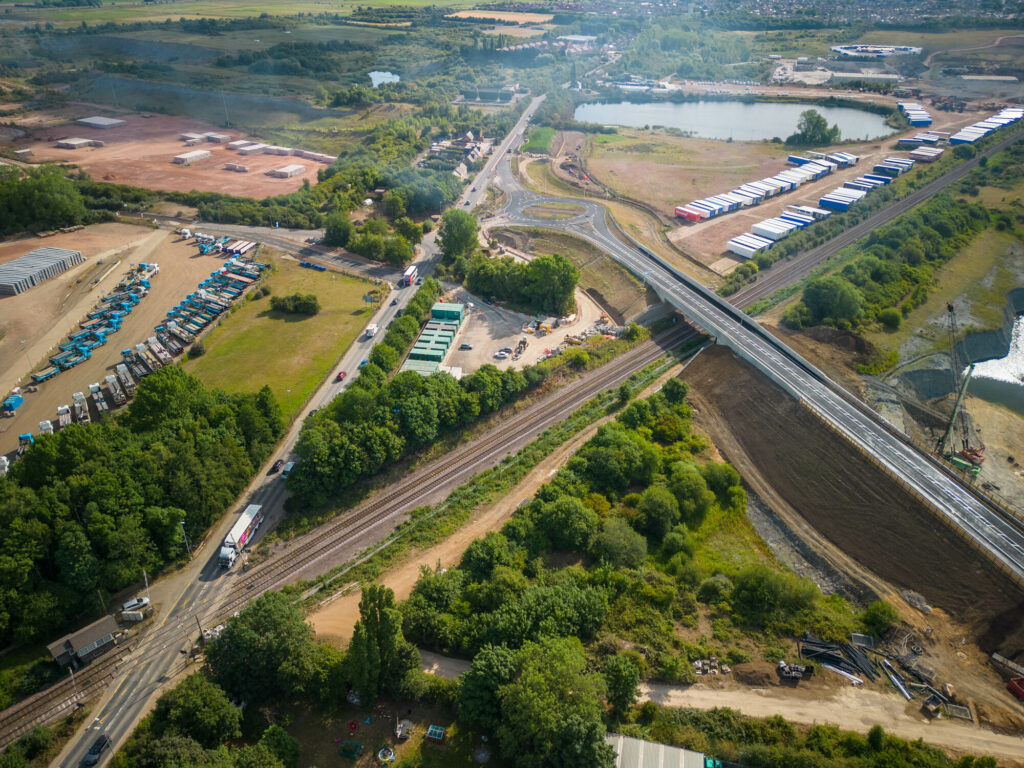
x,y
131,10
303,350
540,140
665,170
554,210
600,275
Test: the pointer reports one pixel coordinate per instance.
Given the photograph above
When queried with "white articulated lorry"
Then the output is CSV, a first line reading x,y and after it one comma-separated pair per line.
x,y
240,535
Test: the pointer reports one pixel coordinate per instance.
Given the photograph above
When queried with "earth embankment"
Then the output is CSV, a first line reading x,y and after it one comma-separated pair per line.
x,y
843,496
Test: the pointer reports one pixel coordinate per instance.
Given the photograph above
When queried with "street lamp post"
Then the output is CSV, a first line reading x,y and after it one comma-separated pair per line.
x,y
185,536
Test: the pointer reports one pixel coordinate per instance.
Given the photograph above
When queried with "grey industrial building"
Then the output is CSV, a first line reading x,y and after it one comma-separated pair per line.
x,y
100,122
35,267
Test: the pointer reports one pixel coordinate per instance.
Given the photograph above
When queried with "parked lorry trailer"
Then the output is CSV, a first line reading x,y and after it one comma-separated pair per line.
x,y
170,343
181,333
45,374
148,357
63,416
81,408
96,393
240,535
158,349
136,365
125,378
114,388
25,441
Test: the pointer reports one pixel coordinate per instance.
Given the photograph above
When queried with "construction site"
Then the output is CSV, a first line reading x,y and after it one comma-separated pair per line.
x,y
170,153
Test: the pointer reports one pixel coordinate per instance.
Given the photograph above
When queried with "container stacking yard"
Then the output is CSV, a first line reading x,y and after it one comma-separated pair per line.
x,y
36,267
804,169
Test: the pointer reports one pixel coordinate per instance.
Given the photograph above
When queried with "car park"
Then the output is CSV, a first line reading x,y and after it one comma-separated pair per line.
x,y
276,466
135,604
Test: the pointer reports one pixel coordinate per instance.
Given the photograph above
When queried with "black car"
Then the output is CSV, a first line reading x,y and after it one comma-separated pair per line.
x,y
393,302
277,466
93,756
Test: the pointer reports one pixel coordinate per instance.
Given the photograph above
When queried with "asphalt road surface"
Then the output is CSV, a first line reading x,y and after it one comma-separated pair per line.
x,y
979,520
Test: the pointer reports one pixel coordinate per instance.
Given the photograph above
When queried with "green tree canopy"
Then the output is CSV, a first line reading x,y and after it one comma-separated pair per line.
x,y
812,130
199,709
379,657
551,710
458,234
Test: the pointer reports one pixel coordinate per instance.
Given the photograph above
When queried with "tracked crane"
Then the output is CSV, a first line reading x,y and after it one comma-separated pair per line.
x,y
961,453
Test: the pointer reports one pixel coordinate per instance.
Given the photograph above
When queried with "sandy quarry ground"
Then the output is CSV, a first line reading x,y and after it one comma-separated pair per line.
x,y
140,153
490,328
506,16
48,313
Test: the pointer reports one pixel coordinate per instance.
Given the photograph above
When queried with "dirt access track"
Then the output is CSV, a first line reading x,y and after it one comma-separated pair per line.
x,y
44,315
815,479
141,153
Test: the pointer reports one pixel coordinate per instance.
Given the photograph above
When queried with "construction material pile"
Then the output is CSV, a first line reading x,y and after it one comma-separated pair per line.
x,y
845,658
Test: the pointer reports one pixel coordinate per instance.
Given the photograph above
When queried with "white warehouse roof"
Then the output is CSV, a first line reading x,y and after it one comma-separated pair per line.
x,y
99,122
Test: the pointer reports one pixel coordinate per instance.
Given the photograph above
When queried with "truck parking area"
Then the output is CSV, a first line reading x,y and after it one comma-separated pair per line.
x,y
36,320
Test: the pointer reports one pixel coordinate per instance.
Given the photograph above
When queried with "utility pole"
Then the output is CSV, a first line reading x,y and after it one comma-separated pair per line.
x,y
146,578
74,685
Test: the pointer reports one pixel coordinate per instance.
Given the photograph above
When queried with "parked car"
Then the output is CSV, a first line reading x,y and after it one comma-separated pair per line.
x,y
276,466
135,604
97,749
419,280
506,350
340,376
464,347
501,355
394,302
364,361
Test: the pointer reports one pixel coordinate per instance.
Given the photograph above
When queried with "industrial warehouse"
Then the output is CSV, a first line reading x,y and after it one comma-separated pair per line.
x,y
36,267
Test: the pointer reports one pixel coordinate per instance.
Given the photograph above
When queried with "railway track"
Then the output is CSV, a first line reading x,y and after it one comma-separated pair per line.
x,y
783,275
57,700
307,551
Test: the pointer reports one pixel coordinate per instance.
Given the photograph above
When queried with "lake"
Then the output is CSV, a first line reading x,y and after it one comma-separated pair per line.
x,y
737,120
376,78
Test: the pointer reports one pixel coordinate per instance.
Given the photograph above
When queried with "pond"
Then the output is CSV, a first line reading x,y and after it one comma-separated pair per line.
x,y
1002,381
377,77
737,120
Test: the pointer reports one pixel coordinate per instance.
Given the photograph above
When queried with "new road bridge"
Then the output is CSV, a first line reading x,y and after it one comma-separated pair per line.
x,y
967,511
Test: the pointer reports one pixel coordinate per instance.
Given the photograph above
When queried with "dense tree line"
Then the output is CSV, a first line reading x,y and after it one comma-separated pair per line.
x,y
894,267
40,200
377,421
812,130
543,284
86,510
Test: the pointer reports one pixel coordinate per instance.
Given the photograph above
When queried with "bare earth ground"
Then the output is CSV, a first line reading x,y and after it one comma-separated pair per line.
x,y
816,479
509,16
140,154
181,270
